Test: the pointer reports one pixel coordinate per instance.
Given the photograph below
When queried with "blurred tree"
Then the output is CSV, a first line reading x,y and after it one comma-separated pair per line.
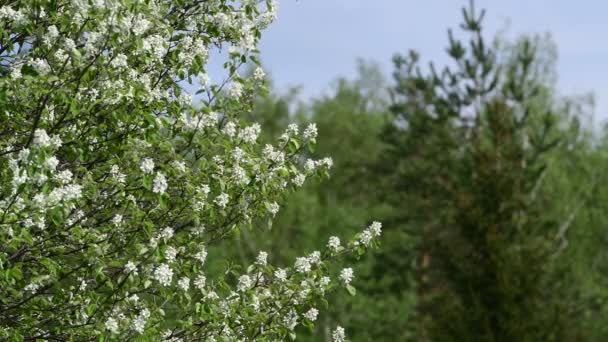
x,y
469,149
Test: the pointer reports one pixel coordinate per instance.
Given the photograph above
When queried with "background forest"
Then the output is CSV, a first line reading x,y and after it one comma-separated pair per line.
x,y
491,188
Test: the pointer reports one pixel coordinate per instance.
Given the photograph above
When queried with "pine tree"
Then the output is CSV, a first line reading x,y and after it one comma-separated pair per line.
x,y
468,150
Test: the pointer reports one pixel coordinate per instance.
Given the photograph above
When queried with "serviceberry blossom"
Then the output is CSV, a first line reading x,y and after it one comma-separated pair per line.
x,y
184,283
201,256
310,132
222,200
310,165
366,238
166,234
32,287
291,320
112,325
375,228
159,185
240,176
229,129
163,274
311,314
262,259
16,72
119,62
117,175
273,208
302,265
238,154
51,163
211,296
41,66
346,275
314,257
292,130
338,335
250,134
170,254
200,282
117,220
281,274
299,179
41,138
236,90
179,166
333,243
147,166
259,74
324,281
139,323
244,283
64,176
131,268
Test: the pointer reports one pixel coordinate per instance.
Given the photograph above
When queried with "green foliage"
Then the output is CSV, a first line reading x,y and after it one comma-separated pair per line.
x,y
471,146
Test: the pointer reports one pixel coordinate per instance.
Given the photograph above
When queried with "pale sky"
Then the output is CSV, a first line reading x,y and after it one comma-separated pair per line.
x,y
315,41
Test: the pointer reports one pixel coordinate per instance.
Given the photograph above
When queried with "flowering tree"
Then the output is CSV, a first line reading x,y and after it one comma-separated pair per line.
x,y
112,183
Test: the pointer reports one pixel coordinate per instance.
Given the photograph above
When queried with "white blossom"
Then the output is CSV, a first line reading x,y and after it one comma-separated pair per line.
x,y
16,72
200,282
222,200
262,259
179,166
131,268
291,320
346,275
147,166
170,254
314,257
41,66
273,208
375,228
236,90
117,220
281,274
41,138
250,134
167,233
244,283
163,274
184,283
302,265
333,243
111,325
51,163
299,179
139,323
32,287
229,129
159,184
366,238
201,256
310,132
259,74
311,314
64,176
338,335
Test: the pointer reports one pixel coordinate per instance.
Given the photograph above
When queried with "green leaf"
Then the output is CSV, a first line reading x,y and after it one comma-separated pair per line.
x,y
351,289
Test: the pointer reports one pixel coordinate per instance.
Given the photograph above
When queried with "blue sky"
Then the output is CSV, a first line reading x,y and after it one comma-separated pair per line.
x,y
315,41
